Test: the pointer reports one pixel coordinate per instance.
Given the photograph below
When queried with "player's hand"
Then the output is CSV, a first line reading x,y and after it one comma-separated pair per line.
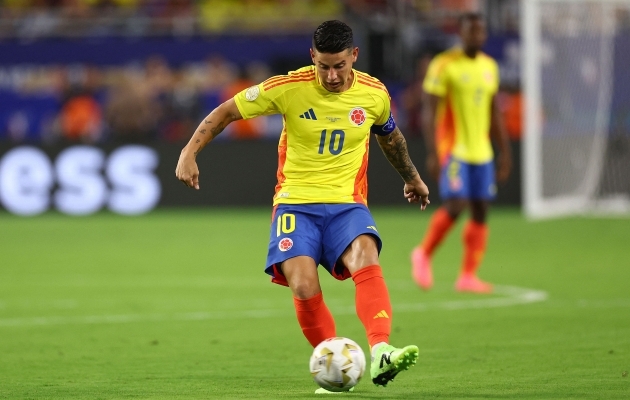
x,y
187,170
417,191
504,167
433,166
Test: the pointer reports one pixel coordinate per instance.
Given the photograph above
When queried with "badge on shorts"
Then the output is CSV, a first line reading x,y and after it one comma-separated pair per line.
x,y
252,93
455,183
285,244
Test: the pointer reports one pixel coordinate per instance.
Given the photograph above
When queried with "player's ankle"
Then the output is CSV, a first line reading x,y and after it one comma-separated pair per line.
x,y
377,346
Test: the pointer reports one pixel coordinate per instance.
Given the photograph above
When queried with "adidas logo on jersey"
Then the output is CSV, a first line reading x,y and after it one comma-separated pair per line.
x,y
310,114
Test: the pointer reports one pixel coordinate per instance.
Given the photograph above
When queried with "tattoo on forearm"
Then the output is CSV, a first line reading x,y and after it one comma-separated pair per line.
x,y
221,125
394,147
214,131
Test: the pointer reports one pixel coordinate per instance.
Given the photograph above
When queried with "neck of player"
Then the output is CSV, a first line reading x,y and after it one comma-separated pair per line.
x,y
471,52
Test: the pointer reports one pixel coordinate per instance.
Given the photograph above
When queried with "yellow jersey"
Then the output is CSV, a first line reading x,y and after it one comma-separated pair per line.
x,y
323,148
466,87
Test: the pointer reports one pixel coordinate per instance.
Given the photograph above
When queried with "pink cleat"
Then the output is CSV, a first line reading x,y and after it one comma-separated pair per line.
x,y
470,283
421,268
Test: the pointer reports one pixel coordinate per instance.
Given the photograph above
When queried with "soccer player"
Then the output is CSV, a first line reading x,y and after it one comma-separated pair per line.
x,y
320,213
460,116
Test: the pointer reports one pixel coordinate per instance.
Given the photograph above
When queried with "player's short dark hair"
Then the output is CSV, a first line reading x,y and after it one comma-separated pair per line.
x,y
332,37
470,17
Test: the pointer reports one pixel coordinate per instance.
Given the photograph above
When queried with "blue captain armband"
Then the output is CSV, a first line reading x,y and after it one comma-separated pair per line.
x,y
386,129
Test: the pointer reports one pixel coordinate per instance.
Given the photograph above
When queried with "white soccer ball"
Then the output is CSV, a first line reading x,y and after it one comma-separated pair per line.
x,y
337,364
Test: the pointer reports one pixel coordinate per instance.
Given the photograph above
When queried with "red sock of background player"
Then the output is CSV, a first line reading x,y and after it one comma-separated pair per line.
x,y
372,304
475,237
315,319
441,222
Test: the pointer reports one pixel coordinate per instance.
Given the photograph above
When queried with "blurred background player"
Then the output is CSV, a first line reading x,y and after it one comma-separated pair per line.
x,y
461,115
320,211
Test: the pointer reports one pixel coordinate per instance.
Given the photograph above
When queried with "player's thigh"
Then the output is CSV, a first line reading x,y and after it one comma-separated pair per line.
x,y
454,180
350,228
483,182
301,275
362,252
455,206
295,231
479,210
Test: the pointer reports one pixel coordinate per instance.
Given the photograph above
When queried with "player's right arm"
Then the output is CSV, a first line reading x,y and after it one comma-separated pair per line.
x,y
429,114
435,88
187,170
262,99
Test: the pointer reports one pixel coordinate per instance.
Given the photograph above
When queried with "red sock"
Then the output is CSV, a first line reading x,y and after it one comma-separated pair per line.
x,y
372,303
441,223
315,319
475,237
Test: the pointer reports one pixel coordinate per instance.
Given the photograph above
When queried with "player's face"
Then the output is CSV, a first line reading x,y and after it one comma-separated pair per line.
x,y
335,70
474,34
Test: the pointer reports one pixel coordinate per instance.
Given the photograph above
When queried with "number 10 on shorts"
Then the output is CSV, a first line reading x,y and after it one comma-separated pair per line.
x,y
285,224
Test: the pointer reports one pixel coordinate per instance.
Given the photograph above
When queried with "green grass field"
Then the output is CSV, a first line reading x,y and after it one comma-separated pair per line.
x,y
174,305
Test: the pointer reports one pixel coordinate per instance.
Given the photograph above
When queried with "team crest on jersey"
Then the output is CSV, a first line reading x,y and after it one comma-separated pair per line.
x,y
488,76
357,116
252,93
285,244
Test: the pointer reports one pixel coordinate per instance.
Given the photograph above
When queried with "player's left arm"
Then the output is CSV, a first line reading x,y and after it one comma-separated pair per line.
x,y
500,137
394,147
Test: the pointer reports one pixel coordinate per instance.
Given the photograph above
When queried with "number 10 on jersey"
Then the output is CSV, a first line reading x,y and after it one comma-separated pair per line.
x,y
335,143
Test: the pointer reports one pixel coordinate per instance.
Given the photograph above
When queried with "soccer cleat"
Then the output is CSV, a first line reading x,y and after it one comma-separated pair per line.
x,y
470,283
324,391
421,268
389,361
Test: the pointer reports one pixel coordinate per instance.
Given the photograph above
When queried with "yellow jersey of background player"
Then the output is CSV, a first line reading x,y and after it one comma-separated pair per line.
x,y
460,117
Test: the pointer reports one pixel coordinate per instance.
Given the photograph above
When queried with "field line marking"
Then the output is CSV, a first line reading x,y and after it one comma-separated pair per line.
x,y
512,296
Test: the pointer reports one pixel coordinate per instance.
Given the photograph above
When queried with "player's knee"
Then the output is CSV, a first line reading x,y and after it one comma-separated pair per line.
x,y
305,290
479,211
454,207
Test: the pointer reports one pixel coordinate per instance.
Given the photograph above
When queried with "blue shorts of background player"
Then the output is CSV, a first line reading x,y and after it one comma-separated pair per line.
x,y
462,180
320,231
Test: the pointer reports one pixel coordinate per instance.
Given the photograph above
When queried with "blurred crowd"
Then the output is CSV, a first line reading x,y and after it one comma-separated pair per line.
x,y
149,101
72,18
154,101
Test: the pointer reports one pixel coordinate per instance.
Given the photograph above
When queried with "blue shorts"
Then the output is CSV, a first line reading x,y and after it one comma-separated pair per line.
x,y
461,180
320,231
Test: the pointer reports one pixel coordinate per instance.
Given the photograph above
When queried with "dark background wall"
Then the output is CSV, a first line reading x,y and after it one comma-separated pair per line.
x,y
231,174
245,174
